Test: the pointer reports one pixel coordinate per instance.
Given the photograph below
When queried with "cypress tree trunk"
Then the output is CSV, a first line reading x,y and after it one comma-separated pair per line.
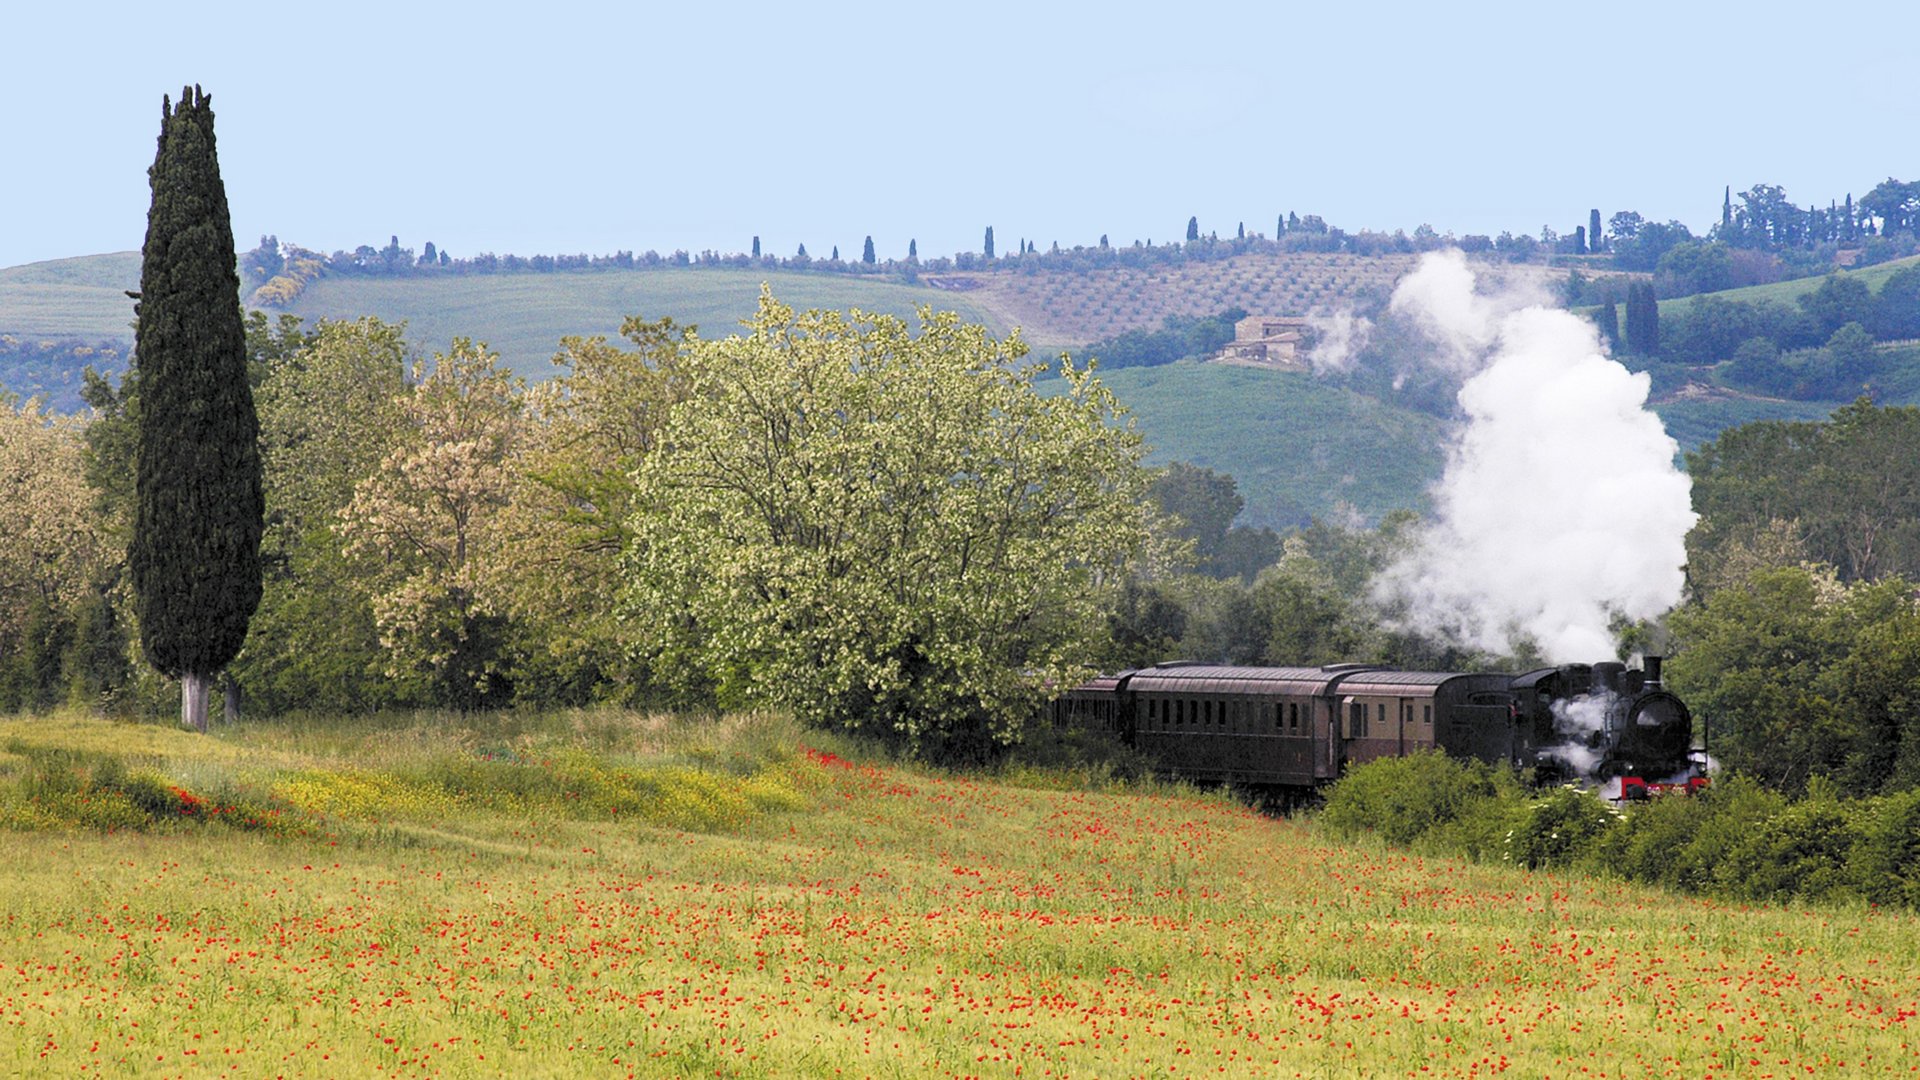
x,y
195,554
193,701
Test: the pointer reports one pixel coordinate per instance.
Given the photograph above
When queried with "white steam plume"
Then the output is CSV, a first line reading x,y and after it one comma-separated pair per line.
x,y
1579,722
1341,337
1561,506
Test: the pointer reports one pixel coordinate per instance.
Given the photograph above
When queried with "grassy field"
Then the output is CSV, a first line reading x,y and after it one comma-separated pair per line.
x,y
1693,421
852,919
524,316
83,297
1787,292
1296,446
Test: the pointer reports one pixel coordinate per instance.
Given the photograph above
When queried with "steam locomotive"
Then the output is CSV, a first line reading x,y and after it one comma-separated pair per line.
x,y
1296,728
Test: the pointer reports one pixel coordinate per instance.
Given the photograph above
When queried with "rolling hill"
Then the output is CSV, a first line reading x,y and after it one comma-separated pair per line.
x,y
84,297
1297,447
1786,292
524,316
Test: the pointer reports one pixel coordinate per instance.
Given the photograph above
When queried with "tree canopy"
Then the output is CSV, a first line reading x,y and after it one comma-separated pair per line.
x,y
885,529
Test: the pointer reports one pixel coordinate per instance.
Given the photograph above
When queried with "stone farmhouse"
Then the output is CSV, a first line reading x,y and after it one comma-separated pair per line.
x,y
1274,341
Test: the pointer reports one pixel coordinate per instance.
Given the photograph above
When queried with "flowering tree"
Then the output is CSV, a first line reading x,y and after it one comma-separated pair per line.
x,y
885,529
426,525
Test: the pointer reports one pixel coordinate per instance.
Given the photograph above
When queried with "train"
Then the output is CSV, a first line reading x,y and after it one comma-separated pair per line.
x,y
1296,728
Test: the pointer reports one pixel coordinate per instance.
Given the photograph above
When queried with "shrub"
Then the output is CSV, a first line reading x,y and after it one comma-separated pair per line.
x,y
1885,863
1801,852
1404,798
1681,843
1560,828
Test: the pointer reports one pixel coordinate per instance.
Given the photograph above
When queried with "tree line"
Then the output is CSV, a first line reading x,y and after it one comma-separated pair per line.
x,y
1821,347
439,533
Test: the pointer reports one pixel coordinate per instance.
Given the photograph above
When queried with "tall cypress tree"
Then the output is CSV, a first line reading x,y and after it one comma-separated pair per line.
x,y
989,246
1594,242
866,253
1643,320
195,554
1193,229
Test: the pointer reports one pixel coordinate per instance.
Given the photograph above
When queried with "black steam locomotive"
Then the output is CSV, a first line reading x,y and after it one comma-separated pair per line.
x,y
1298,727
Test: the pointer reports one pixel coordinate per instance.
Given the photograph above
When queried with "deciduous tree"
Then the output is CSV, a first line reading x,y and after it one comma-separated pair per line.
x,y
571,517
885,530
426,527
55,555
329,414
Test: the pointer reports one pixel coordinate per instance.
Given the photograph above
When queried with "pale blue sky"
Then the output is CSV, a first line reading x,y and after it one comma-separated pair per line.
x,y
560,127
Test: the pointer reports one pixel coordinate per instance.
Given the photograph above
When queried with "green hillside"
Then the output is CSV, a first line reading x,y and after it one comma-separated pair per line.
x,y
84,297
1786,292
1693,421
524,316
1297,446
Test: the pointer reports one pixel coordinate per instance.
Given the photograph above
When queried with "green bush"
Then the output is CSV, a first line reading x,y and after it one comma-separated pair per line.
x,y
1483,827
1803,852
1681,843
149,792
1402,799
1885,864
1560,828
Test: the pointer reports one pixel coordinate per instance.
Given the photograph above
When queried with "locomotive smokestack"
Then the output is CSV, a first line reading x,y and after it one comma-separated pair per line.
x,y
1652,664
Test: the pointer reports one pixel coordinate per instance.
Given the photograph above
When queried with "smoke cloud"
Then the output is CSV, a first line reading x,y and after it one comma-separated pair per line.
x,y
1580,722
1341,335
1560,507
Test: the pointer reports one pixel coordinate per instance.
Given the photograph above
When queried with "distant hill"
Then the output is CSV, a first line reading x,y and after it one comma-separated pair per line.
x,y
1787,292
523,316
1298,447
85,297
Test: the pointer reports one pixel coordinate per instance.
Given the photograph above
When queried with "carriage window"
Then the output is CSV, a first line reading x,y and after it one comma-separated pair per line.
x,y
1426,716
1380,715
1293,716
1357,721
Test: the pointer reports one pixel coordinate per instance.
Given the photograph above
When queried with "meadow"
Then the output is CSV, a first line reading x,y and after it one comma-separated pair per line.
x,y
523,316
1297,446
619,894
1789,291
